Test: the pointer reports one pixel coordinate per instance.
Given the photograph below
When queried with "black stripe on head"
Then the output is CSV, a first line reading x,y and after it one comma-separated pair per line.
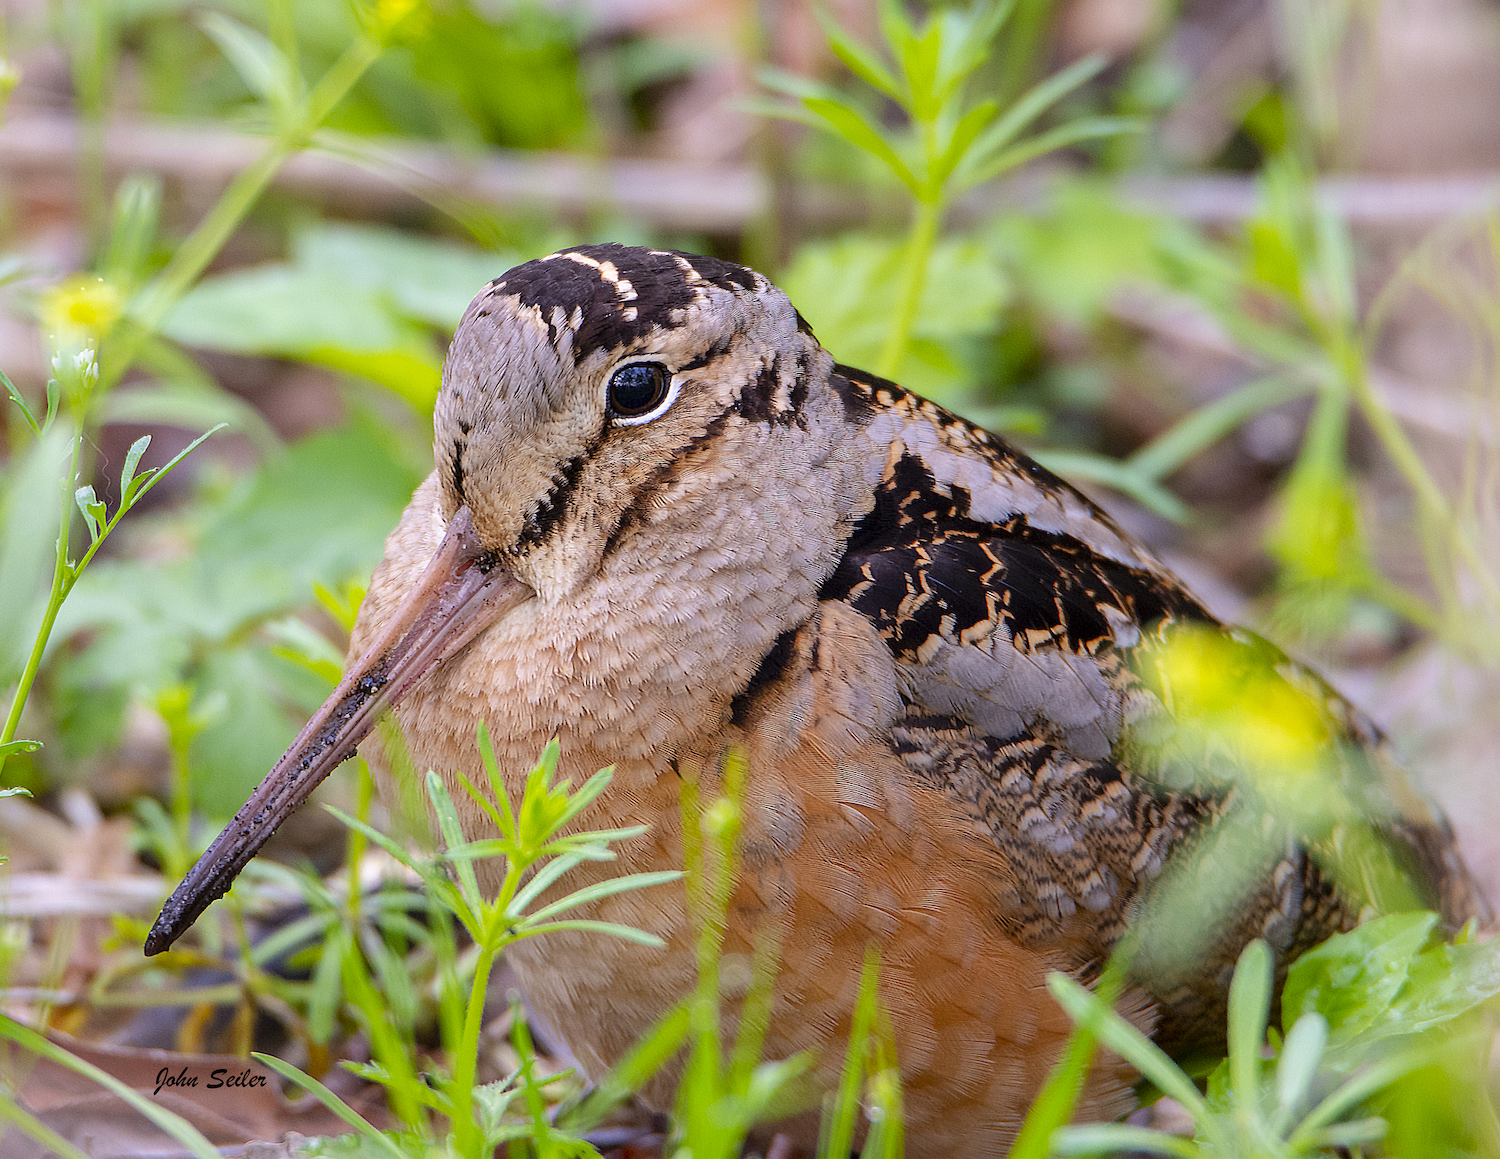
x,y
549,512
856,391
758,402
459,446
621,292
725,275
758,396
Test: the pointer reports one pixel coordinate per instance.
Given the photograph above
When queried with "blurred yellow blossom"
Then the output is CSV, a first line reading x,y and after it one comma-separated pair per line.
x,y
407,18
10,76
82,307
1234,694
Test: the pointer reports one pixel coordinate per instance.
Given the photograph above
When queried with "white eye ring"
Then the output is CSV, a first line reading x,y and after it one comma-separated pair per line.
x,y
674,385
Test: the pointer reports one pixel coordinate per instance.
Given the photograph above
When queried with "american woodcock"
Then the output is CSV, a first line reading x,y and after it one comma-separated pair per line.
x,y
664,522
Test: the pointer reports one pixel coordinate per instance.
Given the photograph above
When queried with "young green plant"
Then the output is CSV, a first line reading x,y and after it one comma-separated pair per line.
x,y
537,852
950,142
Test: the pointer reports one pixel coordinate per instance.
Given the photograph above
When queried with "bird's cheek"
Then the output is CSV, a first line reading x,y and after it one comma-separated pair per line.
x,y
557,568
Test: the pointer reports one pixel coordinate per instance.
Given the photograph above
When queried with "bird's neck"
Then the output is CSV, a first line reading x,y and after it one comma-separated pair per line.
x,y
638,665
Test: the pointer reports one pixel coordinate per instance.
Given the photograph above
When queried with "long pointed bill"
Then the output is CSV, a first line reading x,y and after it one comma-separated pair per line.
x,y
462,591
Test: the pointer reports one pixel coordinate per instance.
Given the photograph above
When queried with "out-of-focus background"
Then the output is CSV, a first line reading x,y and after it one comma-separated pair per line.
x,y
1256,314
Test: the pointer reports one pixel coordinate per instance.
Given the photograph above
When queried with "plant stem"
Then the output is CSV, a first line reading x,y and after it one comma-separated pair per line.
x,y
919,245
354,851
59,592
192,257
467,1138
91,50
1414,471
156,301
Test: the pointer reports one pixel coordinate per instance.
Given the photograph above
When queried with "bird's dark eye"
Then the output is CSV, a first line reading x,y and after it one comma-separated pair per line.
x,y
638,389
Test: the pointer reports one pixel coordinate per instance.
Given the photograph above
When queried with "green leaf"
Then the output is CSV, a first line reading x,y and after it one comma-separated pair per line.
x,y
856,57
1072,133
357,299
94,514
607,888
1129,1043
15,397
1118,1138
1390,976
793,85
343,1110
142,484
11,748
918,57
427,280
1249,1007
645,1058
1301,1055
613,929
398,852
958,142
847,290
1086,465
260,64
852,125
326,989
54,1145
1032,104
970,47
547,874
452,831
1074,257
30,508
1274,261
393,977
178,1128
189,406
132,461
895,26
1206,425
132,232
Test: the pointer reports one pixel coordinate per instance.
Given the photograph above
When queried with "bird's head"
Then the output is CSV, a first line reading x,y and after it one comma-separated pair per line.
x,y
577,381
584,394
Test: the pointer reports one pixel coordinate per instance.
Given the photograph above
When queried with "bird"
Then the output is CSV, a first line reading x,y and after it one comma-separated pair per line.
x,y
664,524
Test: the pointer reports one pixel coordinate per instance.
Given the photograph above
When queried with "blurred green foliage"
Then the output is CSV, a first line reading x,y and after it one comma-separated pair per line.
x,y
370,301
1384,1028
207,614
316,514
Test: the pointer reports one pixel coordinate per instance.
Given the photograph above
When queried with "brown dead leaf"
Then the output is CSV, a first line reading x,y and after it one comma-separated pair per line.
x,y
233,1102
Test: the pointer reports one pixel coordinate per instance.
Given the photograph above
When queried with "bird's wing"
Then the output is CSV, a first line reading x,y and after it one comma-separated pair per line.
x,y
1015,612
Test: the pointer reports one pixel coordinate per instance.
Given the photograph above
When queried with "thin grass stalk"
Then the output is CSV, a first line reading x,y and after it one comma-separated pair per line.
x,y
919,247
193,256
56,595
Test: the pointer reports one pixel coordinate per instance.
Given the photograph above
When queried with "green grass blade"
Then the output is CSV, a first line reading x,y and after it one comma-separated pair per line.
x,y
641,1061
12,1112
1249,1007
15,397
607,888
627,933
330,1100
1114,1138
1085,1007
1200,429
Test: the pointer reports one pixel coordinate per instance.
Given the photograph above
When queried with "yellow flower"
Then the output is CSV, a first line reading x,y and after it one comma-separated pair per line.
x,y
409,18
81,307
1236,694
